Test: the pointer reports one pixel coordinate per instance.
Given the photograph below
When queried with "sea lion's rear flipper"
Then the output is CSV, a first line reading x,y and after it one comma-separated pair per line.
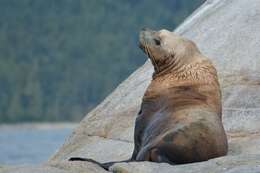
x,y
154,155
157,156
103,165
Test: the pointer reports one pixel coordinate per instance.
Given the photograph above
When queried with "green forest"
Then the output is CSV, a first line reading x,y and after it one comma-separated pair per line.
x,y
58,59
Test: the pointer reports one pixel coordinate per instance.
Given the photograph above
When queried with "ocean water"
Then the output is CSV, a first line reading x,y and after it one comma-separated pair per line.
x,y
30,145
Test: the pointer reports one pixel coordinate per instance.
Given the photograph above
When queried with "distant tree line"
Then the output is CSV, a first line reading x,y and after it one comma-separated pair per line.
x,y
58,59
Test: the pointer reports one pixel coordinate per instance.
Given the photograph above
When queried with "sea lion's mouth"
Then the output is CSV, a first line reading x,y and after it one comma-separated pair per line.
x,y
141,41
141,46
146,41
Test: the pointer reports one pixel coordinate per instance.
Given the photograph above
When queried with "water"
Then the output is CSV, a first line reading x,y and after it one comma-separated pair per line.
x,y
30,145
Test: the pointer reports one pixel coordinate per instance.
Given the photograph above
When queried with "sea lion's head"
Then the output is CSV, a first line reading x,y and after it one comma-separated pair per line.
x,y
166,49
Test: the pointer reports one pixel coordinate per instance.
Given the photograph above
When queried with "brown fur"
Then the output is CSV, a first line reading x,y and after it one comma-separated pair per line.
x,y
180,117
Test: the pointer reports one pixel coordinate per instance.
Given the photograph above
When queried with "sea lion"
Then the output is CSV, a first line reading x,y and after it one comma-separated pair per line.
x,y
180,120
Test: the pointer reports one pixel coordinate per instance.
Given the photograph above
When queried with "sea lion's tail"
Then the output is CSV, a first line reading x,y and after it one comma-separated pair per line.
x,y
103,165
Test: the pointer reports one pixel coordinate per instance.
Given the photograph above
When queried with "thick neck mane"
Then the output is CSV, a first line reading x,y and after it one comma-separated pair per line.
x,y
197,71
169,64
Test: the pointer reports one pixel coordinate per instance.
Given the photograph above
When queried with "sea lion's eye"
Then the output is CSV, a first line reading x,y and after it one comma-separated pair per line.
x,y
157,41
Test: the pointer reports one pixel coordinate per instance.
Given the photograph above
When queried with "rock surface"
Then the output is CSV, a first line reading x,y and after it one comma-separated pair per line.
x,y
228,164
54,167
228,32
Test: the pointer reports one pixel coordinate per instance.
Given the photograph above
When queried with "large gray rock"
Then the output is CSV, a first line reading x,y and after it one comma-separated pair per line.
x,y
228,31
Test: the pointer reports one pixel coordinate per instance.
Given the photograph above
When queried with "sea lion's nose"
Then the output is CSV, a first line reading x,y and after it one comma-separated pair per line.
x,y
146,35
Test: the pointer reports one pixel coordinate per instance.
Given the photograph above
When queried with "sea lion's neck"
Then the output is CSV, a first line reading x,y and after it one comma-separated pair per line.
x,y
176,64
169,65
